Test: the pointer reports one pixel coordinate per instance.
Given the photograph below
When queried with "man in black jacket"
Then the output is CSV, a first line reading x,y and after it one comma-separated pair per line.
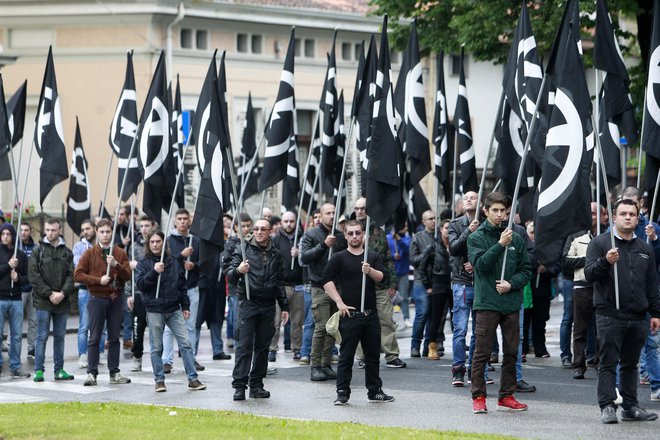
x,y
620,316
51,274
315,250
293,284
262,269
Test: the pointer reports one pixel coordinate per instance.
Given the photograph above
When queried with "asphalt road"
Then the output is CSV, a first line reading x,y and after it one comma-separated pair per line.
x,y
562,408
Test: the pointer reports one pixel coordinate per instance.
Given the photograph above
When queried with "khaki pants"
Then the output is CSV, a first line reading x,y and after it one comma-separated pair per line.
x,y
296,317
322,308
388,343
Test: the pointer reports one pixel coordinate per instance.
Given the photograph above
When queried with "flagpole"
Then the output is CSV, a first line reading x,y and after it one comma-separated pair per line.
x,y
20,208
239,205
302,191
14,177
437,204
107,178
641,142
597,107
601,159
521,169
18,177
341,182
366,253
490,150
453,178
132,226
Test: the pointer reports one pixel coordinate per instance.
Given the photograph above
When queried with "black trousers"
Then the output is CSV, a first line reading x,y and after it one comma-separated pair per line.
x,y
619,341
255,328
102,311
485,331
583,317
364,329
139,315
540,315
439,306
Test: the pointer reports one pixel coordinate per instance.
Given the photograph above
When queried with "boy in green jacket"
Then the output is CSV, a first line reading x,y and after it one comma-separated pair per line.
x,y
497,301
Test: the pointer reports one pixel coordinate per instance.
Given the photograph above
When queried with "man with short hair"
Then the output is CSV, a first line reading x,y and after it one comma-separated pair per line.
x,y
87,238
13,274
621,315
292,276
497,299
262,269
420,241
104,269
462,278
185,248
26,244
50,271
385,290
314,252
356,325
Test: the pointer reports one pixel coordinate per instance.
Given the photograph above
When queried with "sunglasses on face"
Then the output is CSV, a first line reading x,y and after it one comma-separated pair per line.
x,y
354,233
258,229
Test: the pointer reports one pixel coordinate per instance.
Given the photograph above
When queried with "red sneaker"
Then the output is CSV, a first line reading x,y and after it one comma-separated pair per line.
x,y
479,405
509,403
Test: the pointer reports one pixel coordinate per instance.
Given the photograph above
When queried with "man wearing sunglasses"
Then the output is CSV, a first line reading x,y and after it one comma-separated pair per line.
x,y
262,269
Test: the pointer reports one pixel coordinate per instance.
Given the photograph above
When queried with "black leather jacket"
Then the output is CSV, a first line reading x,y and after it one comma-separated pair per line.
x,y
458,237
435,265
314,252
265,275
284,244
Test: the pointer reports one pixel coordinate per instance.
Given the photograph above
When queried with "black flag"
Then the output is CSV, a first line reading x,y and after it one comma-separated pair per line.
x,y
362,109
309,193
651,132
213,198
5,137
565,191
178,145
280,125
384,149
16,113
48,135
154,142
411,108
122,134
444,156
291,186
248,172
79,203
464,136
331,154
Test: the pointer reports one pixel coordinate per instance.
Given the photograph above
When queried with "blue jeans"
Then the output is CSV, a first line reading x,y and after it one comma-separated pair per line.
x,y
83,323
463,299
127,322
404,286
175,322
13,311
420,297
59,332
566,325
308,325
519,375
232,312
216,338
168,340
650,359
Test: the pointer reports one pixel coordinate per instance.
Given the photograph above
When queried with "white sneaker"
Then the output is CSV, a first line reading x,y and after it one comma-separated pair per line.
x,y
82,361
137,364
407,323
619,399
655,395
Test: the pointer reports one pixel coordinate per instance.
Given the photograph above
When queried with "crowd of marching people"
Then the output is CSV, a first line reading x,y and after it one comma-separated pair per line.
x,y
333,284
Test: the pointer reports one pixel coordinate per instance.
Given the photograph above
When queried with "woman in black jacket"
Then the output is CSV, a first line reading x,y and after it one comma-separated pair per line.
x,y
436,278
168,305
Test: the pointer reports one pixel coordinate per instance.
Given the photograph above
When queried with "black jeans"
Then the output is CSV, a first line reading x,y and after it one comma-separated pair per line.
x,y
619,341
485,331
254,330
540,315
438,315
583,317
364,329
139,315
102,310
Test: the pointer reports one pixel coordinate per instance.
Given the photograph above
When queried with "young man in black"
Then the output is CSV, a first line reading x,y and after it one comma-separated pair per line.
x,y
355,325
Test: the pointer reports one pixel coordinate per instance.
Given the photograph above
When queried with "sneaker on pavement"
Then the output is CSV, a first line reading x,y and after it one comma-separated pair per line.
x,y
489,367
259,393
19,374
82,361
137,364
407,323
272,356
458,378
566,363
342,398
304,360
644,380
160,387
414,353
222,356
199,367
655,395
524,387
128,344
334,359
63,375
361,364
196,385
318,375
118,379
509,403
490,381
90,381
270,371
239,394
329,372
396,363
578,374
167,368
608,415
380,397
296,355
39,376
479,405
494,358
30,355
637,414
